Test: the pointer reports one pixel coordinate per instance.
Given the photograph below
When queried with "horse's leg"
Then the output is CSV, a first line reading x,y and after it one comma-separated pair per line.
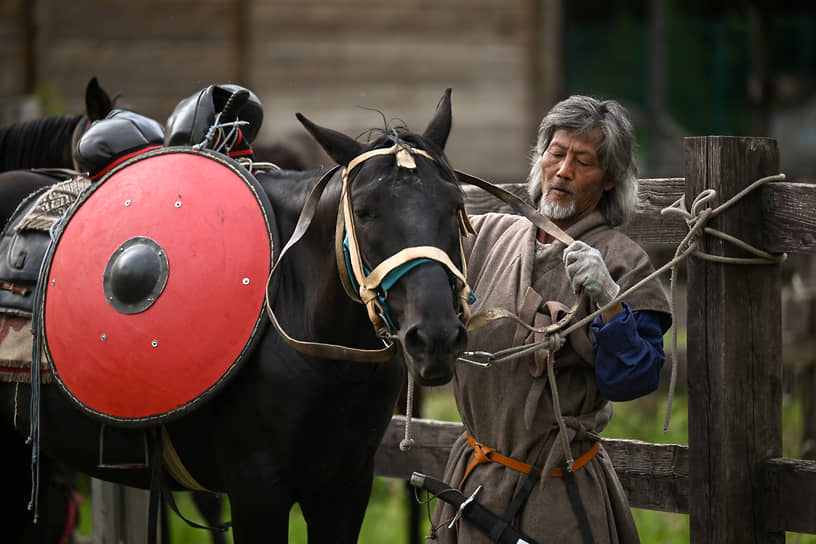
x,y
335,514
260,507
210,505
16,520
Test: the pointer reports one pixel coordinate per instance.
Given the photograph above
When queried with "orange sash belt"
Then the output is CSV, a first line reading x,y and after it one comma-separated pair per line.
x,y
483,454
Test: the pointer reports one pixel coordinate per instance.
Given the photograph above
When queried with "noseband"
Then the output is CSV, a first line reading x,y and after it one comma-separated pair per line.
x,y
370,288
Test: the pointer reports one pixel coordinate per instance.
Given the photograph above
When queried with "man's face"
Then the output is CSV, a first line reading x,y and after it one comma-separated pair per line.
x,y
573,181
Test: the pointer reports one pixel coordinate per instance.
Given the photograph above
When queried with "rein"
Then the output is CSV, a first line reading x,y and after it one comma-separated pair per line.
x,y
369,286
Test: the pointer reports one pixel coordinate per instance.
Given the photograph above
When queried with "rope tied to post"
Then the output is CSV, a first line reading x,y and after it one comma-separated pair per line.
x,y
697,221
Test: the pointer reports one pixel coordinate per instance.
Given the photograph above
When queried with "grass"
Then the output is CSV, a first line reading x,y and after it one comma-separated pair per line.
x,y
386,518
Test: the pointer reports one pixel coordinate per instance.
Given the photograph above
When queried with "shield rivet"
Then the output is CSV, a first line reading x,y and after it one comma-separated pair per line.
x,y
154,343
103,337
178,203
53,282
127,202
245,281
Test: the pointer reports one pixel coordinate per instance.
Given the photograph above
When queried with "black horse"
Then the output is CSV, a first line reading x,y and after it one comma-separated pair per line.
x,y
48,142
45,143
303,427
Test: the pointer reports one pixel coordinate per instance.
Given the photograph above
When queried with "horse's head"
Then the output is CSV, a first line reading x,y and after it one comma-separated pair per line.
x,y
403,218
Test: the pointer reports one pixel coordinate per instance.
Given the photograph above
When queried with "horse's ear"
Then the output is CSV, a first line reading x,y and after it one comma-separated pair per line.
x,y
97,102
439,127
340,147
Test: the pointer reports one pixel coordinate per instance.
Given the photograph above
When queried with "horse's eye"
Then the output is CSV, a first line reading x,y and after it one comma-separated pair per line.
x,y
365,214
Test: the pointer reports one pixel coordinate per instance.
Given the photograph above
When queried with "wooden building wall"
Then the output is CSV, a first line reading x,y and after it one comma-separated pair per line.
x,y
326,59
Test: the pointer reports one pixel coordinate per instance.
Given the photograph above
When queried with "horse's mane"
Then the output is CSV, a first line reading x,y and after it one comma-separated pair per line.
x,y
398,132
39,143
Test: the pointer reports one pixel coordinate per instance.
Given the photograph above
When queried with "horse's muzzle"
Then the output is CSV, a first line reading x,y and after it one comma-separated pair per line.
x,y
431,350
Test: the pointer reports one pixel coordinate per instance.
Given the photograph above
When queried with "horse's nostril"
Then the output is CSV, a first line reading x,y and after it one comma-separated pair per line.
x,y
415,341
435,342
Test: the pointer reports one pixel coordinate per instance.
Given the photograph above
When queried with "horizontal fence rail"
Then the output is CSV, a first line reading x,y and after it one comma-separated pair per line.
x,y
788,212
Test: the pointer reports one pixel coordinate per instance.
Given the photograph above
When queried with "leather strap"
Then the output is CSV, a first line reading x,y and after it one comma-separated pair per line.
x,y
483,454
516,504
578,508
519,205
318,349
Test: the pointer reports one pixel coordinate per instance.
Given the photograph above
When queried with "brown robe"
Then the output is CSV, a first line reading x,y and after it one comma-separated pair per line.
x,y
509,405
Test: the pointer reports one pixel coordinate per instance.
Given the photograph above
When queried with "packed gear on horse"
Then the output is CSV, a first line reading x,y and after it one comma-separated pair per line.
x,y
127,164
203,119
110,141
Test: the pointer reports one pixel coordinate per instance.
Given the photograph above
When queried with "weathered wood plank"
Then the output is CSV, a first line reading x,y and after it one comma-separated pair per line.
x,y
734,362
789,217
655,476
790,493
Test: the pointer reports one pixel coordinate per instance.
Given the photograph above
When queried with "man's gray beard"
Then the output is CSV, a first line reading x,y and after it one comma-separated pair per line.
x,y
555,211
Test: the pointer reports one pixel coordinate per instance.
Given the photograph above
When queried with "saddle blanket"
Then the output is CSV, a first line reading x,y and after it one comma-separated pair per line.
x,y
15,351
52,204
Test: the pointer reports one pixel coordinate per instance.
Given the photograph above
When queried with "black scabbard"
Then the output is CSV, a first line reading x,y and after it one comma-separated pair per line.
x,y
473,512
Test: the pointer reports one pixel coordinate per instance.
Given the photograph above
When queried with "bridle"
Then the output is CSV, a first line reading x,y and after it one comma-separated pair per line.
x,y
370,287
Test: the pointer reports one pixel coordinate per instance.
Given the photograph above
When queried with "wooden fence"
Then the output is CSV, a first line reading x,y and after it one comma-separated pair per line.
x,y
731,479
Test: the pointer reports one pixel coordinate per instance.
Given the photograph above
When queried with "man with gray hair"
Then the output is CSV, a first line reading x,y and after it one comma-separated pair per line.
x,y
533,445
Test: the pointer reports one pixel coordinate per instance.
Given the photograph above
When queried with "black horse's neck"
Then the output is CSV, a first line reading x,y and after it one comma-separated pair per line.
x,y
307,277
40,143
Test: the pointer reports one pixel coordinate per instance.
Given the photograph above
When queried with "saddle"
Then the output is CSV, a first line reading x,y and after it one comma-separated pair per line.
x,y
25,240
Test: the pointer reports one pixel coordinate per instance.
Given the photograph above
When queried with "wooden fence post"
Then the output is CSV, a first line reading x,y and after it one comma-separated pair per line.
x,y
120,514
734,350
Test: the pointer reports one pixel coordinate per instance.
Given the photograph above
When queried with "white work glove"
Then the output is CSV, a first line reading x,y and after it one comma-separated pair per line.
x,y
586,269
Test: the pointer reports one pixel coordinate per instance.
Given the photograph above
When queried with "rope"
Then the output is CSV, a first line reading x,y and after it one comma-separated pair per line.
x,y
407,441
427,503
559,416
696,219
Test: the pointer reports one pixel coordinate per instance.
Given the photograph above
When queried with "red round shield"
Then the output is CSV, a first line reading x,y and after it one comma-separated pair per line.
x,y
155,287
